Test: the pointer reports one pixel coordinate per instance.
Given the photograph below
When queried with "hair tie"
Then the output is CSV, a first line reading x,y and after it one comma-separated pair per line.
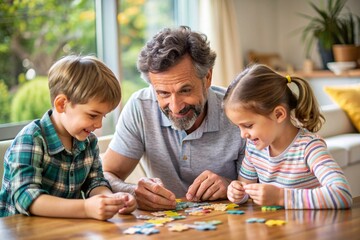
x,y
288,78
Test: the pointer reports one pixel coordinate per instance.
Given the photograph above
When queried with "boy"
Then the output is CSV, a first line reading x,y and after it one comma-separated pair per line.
x,y
56,158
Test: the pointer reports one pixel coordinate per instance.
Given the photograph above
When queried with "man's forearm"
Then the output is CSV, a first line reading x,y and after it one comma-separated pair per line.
x,y
119,185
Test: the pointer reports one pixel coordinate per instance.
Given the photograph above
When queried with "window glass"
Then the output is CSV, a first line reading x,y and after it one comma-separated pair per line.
x,y
139,20
33,35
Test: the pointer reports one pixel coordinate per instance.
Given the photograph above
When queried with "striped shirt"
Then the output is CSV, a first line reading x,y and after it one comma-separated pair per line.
x,y
309,175
37,163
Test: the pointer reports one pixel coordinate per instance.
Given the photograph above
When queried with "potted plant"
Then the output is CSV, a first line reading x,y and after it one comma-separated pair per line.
x,y
323,28
348,33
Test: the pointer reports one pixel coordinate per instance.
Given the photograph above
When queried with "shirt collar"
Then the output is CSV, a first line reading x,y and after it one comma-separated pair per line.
x,y
52,139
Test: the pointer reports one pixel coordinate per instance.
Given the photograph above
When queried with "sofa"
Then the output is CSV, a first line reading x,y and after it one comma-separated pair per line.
x,y
343,141
3,147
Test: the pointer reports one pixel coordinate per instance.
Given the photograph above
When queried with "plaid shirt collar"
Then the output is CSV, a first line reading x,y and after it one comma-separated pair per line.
x,y
52,139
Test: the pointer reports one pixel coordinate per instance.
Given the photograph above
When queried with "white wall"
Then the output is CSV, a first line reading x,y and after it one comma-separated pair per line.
x,y
269,26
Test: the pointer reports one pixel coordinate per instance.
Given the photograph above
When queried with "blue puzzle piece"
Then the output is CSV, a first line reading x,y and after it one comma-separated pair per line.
x,y
255,220
238,212
204,227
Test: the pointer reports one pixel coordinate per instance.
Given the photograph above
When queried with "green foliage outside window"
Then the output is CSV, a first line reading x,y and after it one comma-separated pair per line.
x,y
34,34
138,20
4,103
31,101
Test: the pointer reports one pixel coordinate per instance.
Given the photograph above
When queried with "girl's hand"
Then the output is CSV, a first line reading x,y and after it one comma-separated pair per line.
x,y
103,207
236,191
265,194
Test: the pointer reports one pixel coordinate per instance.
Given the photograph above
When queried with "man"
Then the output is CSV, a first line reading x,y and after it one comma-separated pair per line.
x,y
177,125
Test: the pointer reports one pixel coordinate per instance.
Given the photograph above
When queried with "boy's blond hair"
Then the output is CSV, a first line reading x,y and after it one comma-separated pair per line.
x,y
83,78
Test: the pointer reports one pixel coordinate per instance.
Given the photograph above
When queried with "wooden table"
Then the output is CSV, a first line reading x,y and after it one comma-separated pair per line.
x,y
301,224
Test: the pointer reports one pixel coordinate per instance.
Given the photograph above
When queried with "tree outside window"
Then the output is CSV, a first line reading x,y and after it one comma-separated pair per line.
x,y
34,34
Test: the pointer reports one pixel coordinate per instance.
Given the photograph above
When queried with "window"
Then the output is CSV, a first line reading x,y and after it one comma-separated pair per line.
x,y
34,34
138,21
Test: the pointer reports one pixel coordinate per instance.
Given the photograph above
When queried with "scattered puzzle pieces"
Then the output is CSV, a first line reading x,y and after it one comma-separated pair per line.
x,y
203,226
178,227
270,208
144,217
275,222
237,212
255,220
212,222
220,207
171,213
197,211
232,206
178,217
160,221
146,229
161,218
182,205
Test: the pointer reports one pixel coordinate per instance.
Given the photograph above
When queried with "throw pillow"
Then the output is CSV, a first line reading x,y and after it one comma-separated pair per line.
x,y
348,98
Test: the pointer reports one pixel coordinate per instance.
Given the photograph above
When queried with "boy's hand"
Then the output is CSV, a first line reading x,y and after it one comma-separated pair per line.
x,y
103,207
265,194
152,195
236,191
128,200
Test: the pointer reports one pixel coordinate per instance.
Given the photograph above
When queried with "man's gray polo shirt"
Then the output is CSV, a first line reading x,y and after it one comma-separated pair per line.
x,y
143,131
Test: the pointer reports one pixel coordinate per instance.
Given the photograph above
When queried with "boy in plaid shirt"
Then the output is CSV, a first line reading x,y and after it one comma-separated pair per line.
x,y
55,159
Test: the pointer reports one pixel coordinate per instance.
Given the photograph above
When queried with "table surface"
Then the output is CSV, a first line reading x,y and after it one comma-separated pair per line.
x,y
301,224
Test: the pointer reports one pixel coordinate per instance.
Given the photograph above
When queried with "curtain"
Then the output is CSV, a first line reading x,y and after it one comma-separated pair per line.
x,y
217,19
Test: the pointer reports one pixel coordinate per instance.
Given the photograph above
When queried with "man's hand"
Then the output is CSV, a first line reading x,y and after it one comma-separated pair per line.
x,y
265,194
152,195
207,186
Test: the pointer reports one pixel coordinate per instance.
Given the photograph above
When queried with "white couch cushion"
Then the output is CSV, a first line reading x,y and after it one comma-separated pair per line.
x,y
339,154
345,148
337,122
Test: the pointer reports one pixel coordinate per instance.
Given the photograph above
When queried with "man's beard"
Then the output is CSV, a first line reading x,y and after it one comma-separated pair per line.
x,y
187,122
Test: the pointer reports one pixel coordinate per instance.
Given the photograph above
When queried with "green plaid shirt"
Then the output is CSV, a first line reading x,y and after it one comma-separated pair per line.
x,y
37,163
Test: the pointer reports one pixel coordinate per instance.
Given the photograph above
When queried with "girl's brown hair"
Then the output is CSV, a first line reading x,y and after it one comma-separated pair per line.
x,y
260,89
83,78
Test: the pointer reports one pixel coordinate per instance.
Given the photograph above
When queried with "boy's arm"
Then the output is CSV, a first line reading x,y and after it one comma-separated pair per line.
x,y
100,190
99,207
51,206
96,183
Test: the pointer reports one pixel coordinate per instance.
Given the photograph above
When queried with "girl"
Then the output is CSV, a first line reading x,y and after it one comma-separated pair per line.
x,y
285,162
